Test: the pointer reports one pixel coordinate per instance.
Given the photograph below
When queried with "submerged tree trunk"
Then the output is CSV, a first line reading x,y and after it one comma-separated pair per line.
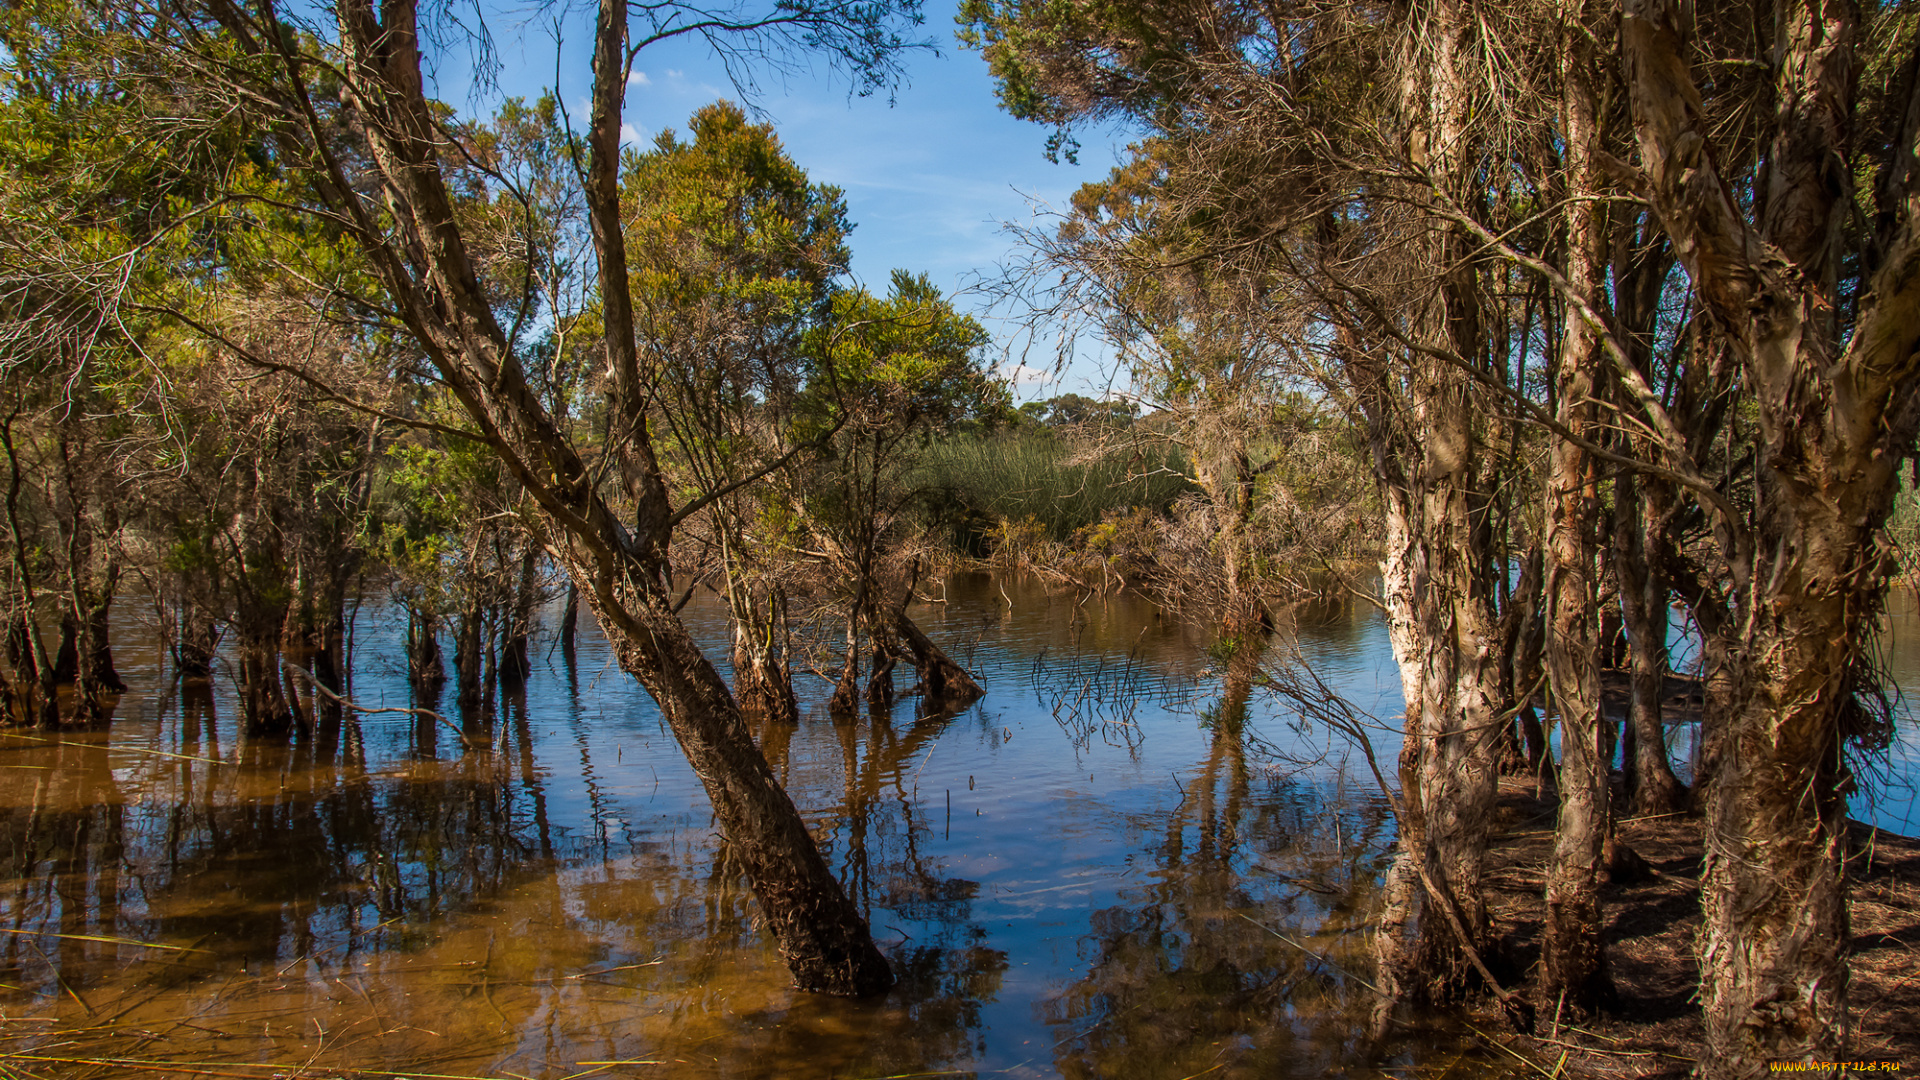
x,y
469,643
944,685
844,701
761,683
880,674
264,704
570,621
516,660
86,655
425,669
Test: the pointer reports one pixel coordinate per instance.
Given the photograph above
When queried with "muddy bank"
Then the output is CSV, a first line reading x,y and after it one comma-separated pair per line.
x,y
1651,1026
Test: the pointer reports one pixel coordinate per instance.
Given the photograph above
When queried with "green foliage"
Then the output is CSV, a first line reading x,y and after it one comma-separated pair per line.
x,y
732,253
908,363
1070,409
430,498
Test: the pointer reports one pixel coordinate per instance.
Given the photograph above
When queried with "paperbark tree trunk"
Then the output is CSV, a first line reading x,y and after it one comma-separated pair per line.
x,y
1571,956
1809,572
1431,462
1651,786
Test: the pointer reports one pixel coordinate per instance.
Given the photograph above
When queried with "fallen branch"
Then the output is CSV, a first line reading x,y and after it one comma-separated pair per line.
x,y
338,700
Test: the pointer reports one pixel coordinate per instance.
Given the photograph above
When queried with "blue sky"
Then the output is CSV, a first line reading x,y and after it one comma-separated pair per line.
x,y
929,179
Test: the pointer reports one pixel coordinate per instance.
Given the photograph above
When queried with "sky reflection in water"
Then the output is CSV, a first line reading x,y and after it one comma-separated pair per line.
x,y
1081,875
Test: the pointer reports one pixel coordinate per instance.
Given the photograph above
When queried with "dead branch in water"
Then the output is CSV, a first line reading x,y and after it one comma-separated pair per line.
x,y
321,688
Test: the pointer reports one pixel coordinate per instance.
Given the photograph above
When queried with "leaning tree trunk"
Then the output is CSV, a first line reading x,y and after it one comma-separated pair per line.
x,y
944,685
825,941
618,561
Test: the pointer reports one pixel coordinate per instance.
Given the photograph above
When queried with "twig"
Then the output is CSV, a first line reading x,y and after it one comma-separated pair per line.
x,y
1317,956
1518,1011
321,688
102,940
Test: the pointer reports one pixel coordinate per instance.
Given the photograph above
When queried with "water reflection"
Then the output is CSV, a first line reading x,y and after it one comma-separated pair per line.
x,y
1111,866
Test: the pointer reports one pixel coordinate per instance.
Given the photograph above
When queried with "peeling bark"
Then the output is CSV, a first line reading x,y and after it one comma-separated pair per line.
x,y
1809,574
1571,955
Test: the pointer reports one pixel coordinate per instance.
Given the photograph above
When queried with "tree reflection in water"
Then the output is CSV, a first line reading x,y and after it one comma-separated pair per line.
x,y
1183,976
550,889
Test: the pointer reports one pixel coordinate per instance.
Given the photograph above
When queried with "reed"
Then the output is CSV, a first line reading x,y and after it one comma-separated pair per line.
x,y
979,482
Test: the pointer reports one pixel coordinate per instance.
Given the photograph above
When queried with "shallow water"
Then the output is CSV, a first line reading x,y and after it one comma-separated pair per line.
x,y
1096,871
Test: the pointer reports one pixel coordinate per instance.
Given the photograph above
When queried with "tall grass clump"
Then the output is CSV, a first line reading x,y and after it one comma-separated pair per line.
x,y
977,482
1903,527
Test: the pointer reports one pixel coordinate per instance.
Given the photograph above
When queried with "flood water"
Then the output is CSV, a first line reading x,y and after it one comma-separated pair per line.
x,y
1099,870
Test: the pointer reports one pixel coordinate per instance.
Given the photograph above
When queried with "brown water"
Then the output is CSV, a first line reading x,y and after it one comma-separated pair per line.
x,y
1097,871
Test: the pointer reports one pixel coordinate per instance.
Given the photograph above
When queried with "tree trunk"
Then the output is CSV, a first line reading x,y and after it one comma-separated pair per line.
x,y
1570,955
570,621
944,685
1651,787
844,701
30,692
760,681
1522,636
469,675
516,661
880,675
425,670
264,707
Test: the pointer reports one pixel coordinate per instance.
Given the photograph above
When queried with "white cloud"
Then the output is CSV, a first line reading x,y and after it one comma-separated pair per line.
x,y
1022,375
629,136
638,78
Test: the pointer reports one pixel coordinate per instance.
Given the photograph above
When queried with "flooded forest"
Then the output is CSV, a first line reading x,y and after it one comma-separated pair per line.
x,y
489,595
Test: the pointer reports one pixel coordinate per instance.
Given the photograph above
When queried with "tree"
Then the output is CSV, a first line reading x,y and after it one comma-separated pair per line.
x,y
884,375
1830,353
348,116
734,252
